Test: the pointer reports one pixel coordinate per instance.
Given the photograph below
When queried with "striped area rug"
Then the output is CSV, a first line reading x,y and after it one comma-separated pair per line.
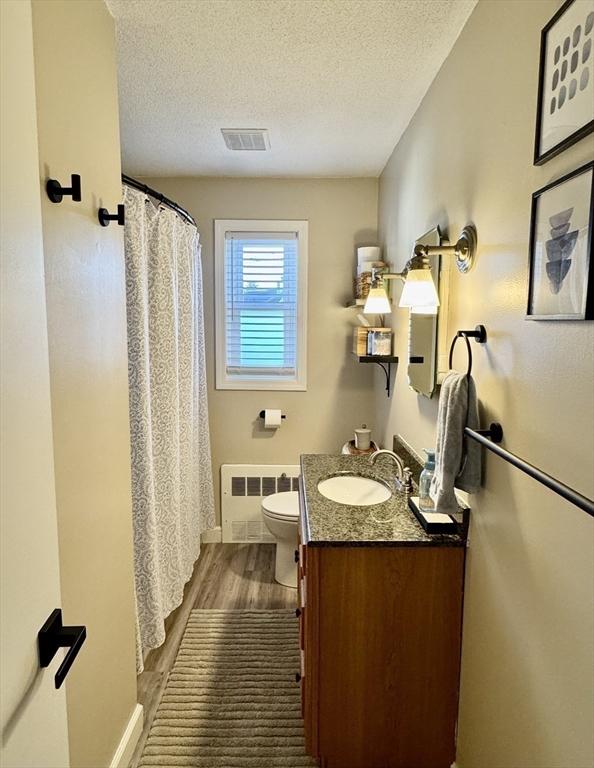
x,y
231,700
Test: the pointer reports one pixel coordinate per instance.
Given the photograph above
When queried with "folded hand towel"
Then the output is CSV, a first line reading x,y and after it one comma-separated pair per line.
x,y
458,460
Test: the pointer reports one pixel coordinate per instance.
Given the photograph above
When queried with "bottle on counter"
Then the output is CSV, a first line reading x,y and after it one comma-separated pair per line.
x,y
425,500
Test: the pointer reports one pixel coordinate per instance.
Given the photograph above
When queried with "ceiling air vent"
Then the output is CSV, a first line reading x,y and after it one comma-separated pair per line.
x,y
246,138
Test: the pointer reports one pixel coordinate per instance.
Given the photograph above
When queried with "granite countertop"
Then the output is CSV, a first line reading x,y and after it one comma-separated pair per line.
x,y
328,523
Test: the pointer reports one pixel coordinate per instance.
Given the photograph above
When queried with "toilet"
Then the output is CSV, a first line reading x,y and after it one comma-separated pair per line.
x,y
281,515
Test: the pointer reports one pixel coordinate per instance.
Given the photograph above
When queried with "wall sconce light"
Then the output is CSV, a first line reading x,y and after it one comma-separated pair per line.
x,y
419,292
377,301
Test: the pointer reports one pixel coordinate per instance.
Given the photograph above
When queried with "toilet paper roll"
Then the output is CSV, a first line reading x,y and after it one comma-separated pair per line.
x,y
272,418
368,253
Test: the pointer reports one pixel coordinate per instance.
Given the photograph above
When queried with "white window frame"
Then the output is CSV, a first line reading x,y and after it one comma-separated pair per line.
x,y
222,379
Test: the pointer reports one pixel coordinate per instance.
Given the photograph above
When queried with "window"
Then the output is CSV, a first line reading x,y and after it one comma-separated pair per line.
x,y
261,312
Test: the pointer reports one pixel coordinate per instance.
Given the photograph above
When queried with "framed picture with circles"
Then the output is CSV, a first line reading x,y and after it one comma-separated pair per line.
x,y
565,109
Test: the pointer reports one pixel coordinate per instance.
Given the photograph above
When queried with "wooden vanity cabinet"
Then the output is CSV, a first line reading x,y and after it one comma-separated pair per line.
x,y
380,631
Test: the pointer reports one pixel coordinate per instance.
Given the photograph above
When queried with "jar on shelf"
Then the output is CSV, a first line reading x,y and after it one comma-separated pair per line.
x,y
379,342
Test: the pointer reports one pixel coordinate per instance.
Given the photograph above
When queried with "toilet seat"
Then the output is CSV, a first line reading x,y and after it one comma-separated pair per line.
x,y
282,506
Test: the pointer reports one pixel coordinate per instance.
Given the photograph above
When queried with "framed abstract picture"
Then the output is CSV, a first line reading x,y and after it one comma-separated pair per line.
x,y
565,109
560,281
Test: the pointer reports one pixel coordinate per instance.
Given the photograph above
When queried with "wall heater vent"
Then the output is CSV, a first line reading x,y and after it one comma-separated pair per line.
x,y
242,488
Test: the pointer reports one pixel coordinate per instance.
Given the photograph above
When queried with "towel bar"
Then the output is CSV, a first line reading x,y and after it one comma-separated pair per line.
x,y
489,439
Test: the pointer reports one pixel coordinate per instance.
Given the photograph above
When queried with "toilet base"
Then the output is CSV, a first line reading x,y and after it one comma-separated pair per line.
x,y
285,569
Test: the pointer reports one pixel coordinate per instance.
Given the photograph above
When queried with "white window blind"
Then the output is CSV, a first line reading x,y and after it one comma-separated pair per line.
x,y
262,310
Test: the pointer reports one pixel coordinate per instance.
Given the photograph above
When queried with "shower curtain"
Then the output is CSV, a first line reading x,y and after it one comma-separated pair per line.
x,y
172,488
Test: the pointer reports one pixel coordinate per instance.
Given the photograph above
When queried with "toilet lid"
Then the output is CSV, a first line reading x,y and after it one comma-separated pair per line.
x,y
285,504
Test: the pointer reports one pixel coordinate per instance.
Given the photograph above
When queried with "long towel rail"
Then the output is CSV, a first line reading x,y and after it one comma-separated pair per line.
x,y
583,502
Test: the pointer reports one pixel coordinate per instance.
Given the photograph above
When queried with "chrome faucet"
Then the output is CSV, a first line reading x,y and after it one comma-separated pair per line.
x,y
403,479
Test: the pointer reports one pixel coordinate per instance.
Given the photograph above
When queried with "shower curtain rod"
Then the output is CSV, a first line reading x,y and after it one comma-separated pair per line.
x,y
129,181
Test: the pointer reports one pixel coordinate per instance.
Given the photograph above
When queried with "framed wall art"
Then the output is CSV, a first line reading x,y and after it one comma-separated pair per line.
x,y
560,281
565,109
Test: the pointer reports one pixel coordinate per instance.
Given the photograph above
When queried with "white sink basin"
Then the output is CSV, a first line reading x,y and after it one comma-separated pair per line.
x,y
354,490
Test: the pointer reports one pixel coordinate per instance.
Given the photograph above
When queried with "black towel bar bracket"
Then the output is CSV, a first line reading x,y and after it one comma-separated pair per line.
x,y
494,433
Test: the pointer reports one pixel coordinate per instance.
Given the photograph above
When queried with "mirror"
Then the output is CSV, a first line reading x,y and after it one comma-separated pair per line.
x,y
422,332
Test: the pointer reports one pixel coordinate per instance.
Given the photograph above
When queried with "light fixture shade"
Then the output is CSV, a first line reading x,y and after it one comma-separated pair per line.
x,y
423,310
377,302
419,290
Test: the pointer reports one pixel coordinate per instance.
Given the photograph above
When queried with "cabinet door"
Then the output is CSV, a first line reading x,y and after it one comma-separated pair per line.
x,y
389,648
311,649
301,615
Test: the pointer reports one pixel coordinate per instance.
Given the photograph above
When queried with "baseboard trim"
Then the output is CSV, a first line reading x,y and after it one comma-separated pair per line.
x,y
129,740
212,535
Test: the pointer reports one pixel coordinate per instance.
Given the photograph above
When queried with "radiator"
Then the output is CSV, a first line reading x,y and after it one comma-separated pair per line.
x,y
242,488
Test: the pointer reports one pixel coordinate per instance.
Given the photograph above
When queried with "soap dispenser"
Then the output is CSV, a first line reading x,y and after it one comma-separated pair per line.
x,y
425,501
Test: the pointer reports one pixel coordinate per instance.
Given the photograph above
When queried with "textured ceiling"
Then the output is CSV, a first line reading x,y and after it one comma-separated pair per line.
x,y
335,81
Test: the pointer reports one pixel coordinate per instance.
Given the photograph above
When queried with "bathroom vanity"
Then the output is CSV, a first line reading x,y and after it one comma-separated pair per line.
x,y
380,627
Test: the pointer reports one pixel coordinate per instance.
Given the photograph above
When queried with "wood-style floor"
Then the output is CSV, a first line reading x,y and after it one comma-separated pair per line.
x,y
225,576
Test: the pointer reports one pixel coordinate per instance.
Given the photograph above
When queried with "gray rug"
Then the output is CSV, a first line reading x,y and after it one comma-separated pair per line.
x,y
231,700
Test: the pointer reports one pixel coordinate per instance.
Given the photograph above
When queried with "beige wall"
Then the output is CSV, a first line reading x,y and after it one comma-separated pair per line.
x,y
527,687
342,213
33,719
74,48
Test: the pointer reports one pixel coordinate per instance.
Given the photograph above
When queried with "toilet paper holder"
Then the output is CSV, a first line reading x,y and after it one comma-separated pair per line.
x,y
261,415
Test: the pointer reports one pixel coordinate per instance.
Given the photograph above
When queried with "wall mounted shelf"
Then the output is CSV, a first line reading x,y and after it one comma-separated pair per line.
x,y
384,362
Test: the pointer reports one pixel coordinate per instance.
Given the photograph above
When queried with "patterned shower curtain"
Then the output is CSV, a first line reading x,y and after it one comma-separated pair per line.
x,y
172,488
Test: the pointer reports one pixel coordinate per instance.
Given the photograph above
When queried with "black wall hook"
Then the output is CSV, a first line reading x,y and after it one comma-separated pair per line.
x,y
105,216
55,191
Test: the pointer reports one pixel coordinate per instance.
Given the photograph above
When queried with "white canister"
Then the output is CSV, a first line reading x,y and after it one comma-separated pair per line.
x,y
362,438
368,253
